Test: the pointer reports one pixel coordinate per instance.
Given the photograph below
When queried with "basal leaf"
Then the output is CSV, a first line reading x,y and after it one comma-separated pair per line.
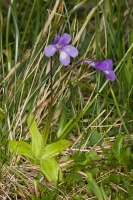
x,y
51,170
36,137
55,149
96,137
21,148
118,147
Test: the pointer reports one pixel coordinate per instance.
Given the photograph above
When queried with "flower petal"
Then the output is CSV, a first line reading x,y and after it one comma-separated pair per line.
x,y
50,50
110,75
70,50
110,63
104,65
57,38
65,39
64,58
101,65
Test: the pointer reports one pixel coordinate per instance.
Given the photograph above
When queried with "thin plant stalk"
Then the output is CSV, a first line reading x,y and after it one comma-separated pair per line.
x,y
49,116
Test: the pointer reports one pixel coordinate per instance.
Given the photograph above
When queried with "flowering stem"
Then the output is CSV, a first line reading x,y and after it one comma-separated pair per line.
x,y
51,82
46,130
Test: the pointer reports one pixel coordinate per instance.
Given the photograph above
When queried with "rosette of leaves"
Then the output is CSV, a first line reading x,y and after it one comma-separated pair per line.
x,y
38,152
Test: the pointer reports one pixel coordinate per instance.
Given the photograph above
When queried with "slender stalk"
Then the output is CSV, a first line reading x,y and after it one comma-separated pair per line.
x,y
49,116
51,81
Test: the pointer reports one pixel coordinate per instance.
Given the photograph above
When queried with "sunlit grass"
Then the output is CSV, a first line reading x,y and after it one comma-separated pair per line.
x,y
90,111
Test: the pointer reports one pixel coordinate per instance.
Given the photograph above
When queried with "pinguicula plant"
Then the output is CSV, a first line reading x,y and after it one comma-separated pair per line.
x,y
38,151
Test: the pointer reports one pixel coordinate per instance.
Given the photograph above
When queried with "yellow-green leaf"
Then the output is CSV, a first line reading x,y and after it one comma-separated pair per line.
x,y
55,149
51,170
21,148
36,137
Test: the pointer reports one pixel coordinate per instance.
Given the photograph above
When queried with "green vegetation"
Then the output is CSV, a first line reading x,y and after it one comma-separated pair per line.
x,y
66,132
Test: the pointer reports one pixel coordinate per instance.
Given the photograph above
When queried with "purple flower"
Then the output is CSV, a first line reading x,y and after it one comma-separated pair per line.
x,y
106,66
61,44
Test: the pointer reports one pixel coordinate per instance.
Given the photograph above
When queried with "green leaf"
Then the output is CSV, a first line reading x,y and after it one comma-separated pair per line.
x,y
94,170
118,148
121,153
128,158
80,158
62,122
94,187
2,114
55,149
21,148
103,193
36,137
73,177
96,137
51,170
115,178
92,156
